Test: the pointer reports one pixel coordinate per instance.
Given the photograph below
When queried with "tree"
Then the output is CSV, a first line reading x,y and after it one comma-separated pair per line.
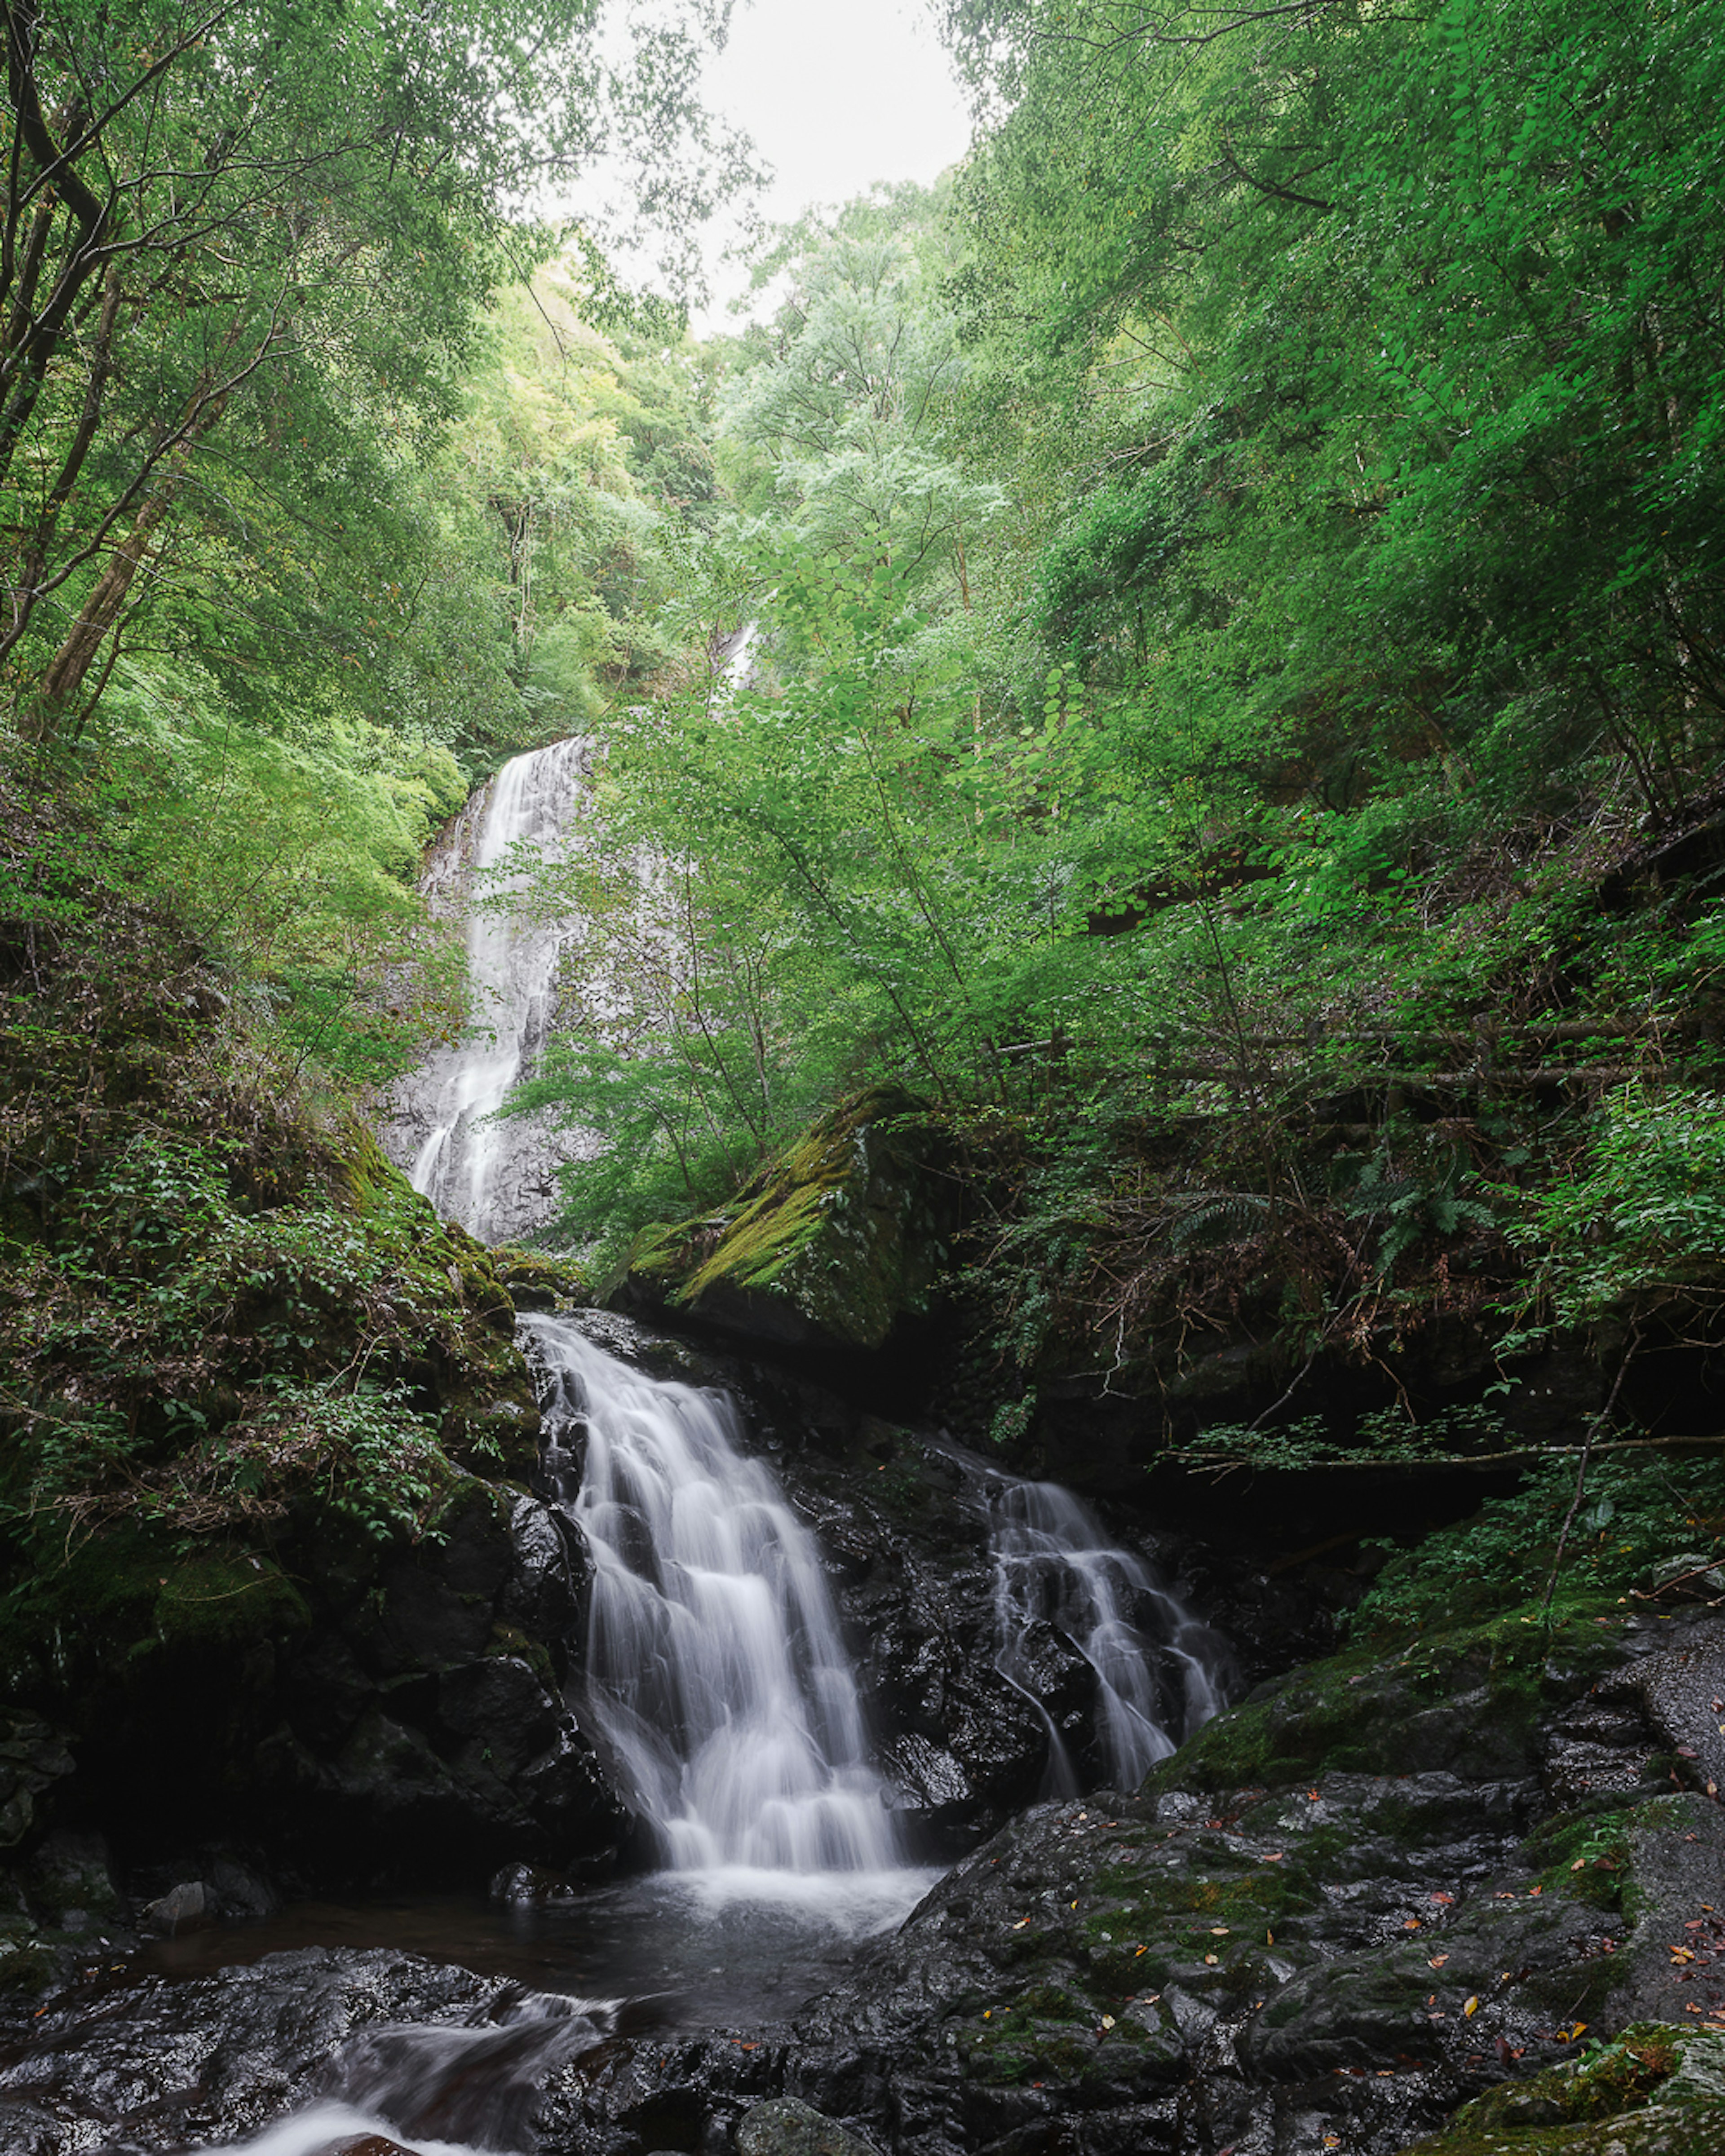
x,y
273,225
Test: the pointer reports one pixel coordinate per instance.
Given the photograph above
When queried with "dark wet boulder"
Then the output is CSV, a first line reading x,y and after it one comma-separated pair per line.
x,y
409,2046
426,1731
784,2126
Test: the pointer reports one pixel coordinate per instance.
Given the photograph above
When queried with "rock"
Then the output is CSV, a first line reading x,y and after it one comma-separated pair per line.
x,y
837,1243
1653,2089
183,1908
527,1886
32,1757
434,2053
1343,1910
426,1732
73,1872
784,2126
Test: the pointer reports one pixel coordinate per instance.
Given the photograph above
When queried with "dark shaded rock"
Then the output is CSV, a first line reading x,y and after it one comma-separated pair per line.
x,y
1653,2090
529,1885
784,2126
183,1908
34,1757
430,2052
424,1731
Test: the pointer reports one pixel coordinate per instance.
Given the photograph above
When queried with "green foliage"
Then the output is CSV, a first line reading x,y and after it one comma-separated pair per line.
x,y
1642,1223
1637,1509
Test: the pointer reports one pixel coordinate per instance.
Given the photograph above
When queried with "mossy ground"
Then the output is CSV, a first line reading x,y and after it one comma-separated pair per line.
x,y
230,1332
1655,2090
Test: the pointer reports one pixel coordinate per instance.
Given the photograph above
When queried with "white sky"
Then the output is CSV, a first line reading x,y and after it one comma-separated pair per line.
x,y
836,94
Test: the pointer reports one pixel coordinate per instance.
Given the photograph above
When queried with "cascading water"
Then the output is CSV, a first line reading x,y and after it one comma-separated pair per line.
x,y
1158,1670
496,1180
716,1676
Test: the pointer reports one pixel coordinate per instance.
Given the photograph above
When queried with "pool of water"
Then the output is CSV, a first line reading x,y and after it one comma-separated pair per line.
x,y
684,1950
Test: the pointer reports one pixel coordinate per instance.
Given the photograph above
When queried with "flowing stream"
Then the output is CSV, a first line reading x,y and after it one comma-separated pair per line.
x,y
1157,1670
717,1687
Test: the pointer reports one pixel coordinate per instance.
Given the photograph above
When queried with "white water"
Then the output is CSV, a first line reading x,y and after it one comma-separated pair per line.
x,y
442,2088
1158,1670
716,1676
497,1179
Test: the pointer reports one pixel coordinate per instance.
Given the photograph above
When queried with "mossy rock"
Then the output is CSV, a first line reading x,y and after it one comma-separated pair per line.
x,y
536,1281
1466,1702
1658,2089
840,1239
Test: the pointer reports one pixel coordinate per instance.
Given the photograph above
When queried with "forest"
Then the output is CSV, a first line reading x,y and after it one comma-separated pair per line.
x,y
1173,680
1232,716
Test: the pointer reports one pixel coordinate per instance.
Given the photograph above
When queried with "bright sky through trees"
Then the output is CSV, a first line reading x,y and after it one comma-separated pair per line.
x,y
835,98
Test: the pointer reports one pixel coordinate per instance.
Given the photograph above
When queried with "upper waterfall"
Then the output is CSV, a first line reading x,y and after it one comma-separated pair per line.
x,y
498,1180
715,1672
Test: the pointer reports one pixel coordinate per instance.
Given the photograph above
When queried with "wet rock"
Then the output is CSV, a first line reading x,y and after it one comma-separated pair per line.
x,y
1262,1951
425,1732
1655,2089
528,1886
158,2065
183,1908
34,1757
784,2126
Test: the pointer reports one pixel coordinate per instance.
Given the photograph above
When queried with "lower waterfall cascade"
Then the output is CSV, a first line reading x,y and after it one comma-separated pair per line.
x,y
716,1676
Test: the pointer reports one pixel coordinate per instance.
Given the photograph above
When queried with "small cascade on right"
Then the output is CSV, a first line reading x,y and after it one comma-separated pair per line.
x,y
1158,1672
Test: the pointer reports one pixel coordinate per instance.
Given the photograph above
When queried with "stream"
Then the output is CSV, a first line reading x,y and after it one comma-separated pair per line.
x,y
717,1685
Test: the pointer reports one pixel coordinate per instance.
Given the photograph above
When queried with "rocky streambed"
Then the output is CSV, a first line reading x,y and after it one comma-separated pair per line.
x,y
1487,1870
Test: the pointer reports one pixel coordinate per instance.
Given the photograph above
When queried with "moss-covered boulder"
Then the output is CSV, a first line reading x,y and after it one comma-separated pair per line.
x,y
836,1243
1378,1888
538,1280
1655,2090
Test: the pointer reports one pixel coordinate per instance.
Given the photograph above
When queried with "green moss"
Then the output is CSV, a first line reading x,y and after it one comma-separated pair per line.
x,y
133,1590
535,1280
1466,1700
839,1228
1656,2087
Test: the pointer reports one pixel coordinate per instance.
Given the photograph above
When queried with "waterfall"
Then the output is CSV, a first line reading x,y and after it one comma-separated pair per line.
x,y
1157,1670
496,1180
716,1676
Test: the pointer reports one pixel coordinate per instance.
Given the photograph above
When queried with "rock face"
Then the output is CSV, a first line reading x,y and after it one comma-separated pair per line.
x,y
836,1245
425,1729
406,1723
1372,1893
372,2041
